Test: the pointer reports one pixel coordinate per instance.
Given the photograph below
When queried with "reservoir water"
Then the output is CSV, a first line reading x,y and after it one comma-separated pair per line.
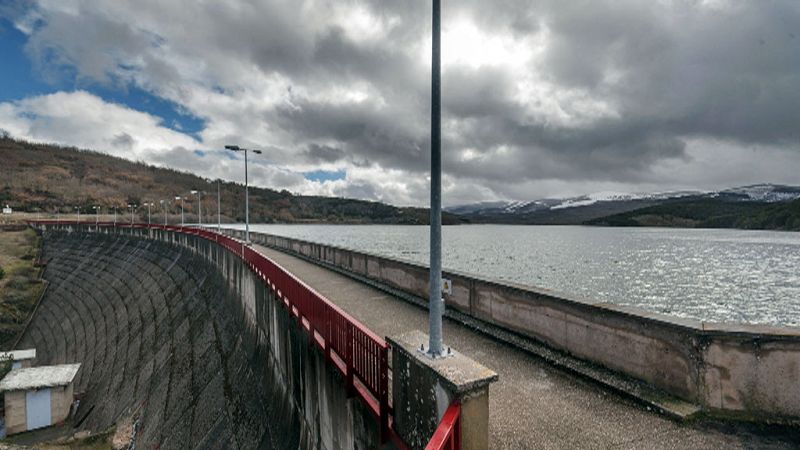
x,y
732,276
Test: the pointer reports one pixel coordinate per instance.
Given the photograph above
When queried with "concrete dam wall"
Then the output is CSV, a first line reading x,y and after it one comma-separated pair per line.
x,y
741,370
179,335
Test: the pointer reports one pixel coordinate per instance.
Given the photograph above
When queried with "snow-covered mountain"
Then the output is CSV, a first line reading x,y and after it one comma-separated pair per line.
x,y
600,203
769,193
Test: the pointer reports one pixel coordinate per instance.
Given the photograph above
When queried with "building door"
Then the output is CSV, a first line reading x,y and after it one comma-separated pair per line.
x,y
37,408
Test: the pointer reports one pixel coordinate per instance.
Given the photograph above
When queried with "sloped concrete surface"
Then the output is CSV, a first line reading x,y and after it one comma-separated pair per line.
x,y
158,335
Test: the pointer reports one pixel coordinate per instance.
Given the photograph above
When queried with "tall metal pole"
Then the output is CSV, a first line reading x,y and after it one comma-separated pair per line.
x,y
219,209
436,305
115,215
166,205
246,203
236,148
149,204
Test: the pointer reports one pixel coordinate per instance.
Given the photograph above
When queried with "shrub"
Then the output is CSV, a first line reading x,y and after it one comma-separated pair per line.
x,y
2,273
5,367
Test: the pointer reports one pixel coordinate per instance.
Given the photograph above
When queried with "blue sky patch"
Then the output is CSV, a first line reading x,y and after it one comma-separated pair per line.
x,y
17,76
325,175
19,79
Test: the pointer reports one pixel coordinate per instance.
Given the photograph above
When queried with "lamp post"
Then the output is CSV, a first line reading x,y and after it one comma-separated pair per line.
x,y
219,209
96,214
133,208
115,215
199,208
236,148
435,302
164,204
78,208
149,204
180,197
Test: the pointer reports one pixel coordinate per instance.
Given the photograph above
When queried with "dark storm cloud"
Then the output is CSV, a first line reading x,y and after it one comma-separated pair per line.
x,y
316,153
123,141
367,134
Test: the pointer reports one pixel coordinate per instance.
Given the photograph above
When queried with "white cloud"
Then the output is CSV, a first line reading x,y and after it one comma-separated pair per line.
x,y
84,120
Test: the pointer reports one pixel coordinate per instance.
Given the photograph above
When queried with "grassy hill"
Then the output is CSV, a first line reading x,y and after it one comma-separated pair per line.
x,y
710,213
38,177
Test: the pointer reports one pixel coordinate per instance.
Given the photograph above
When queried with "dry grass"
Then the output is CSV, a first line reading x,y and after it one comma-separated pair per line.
x,y
20,284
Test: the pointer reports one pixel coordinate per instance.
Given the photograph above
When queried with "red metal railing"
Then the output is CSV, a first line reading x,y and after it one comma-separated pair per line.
x,y
358,353
448,434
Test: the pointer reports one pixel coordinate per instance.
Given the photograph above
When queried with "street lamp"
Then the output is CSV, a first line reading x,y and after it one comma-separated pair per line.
x,y
180,197
236,148
133,208
164,204
96,214
199,208
149,204
115,215
78,208
435,301
219,209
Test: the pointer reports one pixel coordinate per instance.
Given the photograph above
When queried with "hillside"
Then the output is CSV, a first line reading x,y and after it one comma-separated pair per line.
x,y
711,213
550,216
38,177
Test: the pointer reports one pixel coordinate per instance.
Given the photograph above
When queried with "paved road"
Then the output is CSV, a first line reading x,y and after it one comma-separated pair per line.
x,y
534,405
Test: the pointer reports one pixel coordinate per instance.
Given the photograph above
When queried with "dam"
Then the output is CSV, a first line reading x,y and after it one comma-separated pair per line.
x,y
202,342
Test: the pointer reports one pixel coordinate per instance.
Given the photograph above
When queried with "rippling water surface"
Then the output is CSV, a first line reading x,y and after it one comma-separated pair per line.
x,y
710,275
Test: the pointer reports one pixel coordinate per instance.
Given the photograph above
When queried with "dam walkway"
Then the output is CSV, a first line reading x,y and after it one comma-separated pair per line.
x,y
533,405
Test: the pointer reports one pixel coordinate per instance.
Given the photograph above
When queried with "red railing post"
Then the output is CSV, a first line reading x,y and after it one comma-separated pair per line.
x,y
348,357
383,392
328,334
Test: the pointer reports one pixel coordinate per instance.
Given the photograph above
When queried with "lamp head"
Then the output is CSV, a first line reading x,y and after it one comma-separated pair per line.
x,y
233,147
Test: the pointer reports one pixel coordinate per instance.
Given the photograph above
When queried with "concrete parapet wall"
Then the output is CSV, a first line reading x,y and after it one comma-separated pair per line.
x,y
747,371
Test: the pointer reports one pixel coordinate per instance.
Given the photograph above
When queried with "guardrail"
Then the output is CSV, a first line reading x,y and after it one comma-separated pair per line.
x,y
448,434
358,353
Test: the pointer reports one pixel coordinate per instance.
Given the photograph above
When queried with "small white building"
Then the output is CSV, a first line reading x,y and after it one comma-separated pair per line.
x,y
38,397
7,210
20,359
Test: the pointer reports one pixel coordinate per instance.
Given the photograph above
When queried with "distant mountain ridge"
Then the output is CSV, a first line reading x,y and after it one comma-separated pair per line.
x,y
590,208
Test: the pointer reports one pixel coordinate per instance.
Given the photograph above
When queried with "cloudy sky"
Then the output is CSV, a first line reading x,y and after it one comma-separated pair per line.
x,y
541,98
